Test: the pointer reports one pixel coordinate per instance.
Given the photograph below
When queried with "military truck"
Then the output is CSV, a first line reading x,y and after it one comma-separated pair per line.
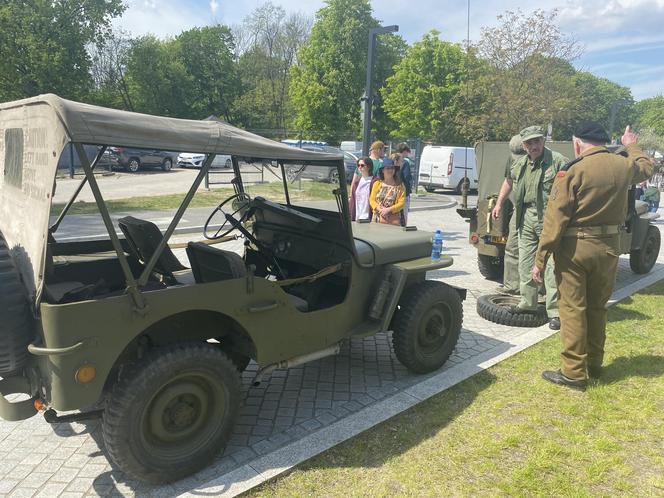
x,y
640,238
119,328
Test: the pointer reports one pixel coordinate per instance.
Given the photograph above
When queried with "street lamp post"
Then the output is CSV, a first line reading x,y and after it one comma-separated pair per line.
x,y
367,99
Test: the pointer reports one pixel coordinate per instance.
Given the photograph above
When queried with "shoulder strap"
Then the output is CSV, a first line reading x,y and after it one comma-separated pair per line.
x,y
578,159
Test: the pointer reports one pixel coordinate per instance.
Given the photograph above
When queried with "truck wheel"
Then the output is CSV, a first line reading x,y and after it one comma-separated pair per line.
x,y
496,309
426,326
430,189
16,325
491,267
642,260
171,413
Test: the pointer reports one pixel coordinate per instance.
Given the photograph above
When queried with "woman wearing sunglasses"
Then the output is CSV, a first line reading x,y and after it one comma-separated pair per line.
x,y
388,194
360,208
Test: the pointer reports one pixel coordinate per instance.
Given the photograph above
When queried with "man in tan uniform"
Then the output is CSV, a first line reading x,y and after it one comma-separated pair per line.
x,y
586,211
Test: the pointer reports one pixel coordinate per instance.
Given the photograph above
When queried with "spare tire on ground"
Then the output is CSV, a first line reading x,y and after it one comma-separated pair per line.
x,y
16,322
496,308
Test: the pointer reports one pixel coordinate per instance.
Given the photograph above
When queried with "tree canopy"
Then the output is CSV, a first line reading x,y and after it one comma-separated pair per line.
x,y
423,95
43,45
329,79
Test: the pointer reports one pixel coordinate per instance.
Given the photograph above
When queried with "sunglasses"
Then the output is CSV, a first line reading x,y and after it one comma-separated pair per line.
x,y
361,165
388,167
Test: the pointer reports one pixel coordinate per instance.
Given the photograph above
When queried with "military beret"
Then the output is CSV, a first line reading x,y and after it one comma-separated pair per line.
x,y
531,132
589,130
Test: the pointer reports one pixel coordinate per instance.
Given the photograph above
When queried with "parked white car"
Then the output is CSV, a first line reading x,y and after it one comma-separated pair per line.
x,y
443,166
191,160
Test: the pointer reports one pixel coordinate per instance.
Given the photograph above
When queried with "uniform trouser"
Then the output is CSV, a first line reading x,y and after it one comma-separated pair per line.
x,y
511,260
586,274
529,235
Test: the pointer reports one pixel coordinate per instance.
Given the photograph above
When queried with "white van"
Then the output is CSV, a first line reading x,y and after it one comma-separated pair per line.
x,y
443,166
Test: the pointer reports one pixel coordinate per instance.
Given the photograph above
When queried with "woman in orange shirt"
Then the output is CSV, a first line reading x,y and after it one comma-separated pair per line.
x,y
388,193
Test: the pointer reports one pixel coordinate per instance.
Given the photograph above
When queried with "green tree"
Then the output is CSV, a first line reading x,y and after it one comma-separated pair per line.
x,y
270,42
109,64
650,114
529,78
43,45
206,55
603,101
422,96
157,79
329,79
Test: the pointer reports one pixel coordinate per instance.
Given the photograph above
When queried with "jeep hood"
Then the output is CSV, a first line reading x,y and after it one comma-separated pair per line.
x,y
378,244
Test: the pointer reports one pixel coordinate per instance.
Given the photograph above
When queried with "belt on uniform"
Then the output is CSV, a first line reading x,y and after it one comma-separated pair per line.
x,y
598,231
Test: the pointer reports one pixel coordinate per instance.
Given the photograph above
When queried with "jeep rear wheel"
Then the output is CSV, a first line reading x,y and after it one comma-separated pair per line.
x,y
167,165
491,267
16,327
171,414
426,326
641,261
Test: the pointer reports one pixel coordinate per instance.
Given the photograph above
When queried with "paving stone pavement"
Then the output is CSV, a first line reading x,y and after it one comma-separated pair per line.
x,y
67,460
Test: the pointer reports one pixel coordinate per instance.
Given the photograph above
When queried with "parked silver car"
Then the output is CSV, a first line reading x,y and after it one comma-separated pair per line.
x,y
191,160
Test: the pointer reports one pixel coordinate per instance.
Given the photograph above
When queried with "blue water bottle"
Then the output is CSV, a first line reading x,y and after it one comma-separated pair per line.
x,y
437,245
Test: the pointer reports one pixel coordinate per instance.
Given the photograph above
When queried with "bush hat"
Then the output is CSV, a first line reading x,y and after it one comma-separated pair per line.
x,y
377,145
531,132
589,130
516,147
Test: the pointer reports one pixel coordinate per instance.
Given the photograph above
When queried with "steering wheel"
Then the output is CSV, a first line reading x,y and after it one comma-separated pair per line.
x,y
239,202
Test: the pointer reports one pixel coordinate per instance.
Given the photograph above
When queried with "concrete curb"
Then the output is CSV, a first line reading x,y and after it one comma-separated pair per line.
x,y
283,459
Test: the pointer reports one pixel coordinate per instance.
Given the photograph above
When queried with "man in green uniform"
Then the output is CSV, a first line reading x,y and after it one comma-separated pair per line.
x,y
510,283
533,174
586,211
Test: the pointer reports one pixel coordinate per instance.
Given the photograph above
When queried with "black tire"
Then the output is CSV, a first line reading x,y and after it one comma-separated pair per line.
x,y
641,261
430,189
426,326
167,165
133,165
17,323
171,414
491,267
228,163
496,309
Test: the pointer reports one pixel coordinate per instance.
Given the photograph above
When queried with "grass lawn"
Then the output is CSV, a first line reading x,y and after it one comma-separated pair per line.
x,y
205,198
507,432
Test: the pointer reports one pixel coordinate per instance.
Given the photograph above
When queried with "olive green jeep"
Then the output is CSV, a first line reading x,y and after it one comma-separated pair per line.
x,y
121,328
639,238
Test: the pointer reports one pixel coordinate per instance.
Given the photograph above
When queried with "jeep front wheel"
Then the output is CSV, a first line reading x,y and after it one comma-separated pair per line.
x,y
426,326
171,413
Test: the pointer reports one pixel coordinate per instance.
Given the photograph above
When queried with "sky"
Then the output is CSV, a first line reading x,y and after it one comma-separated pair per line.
x,y
623,40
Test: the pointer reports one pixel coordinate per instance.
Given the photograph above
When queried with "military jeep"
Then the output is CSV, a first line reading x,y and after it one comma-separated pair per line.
x,y
639,238
120,328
